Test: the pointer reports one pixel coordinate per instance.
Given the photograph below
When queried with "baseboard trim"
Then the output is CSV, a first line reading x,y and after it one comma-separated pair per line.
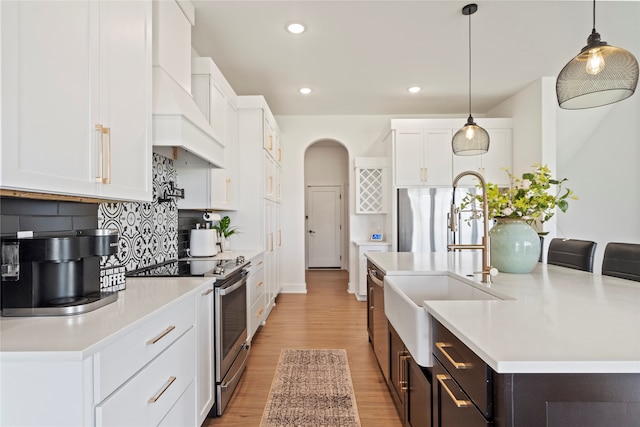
x,y
292,288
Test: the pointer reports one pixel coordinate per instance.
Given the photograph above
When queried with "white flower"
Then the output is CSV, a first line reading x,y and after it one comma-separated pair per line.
x,y
526,184
530,194
507,211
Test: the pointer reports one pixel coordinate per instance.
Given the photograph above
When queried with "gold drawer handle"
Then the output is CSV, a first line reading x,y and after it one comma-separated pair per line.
x,y
157,396
259,313
403,360
459,403
162,335
260,283
207,292
458,365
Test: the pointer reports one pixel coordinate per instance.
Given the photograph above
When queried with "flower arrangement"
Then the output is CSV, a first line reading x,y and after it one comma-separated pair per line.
x,y
527,198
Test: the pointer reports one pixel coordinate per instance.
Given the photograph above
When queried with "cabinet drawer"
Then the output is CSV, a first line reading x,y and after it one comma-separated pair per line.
x,y
464,366
257,263
258,309
149,396
116,363
451,405
256,286
182,413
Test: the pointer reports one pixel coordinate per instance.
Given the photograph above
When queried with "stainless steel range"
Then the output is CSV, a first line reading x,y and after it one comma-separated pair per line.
x,y
230,315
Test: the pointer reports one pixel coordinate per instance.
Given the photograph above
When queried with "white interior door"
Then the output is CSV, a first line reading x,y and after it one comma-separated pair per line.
x,y
324,226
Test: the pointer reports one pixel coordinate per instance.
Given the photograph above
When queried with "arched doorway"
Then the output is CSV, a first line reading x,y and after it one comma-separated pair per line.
x,y
326,182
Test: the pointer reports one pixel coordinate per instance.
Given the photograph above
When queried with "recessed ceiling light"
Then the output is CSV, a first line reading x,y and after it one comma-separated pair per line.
x,y
414,89
305,91
296,28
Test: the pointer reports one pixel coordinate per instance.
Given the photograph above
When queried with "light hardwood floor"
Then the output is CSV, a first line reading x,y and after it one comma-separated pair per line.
x,y
325,317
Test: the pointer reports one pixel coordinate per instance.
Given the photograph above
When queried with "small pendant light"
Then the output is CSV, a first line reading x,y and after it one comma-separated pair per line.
x,y
599,75
471,139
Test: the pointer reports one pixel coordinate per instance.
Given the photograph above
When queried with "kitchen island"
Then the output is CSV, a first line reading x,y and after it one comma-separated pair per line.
x,y
559,347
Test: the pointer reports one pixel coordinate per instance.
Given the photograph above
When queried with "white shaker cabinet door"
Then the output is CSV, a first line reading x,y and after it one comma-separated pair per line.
x,y
76,104
125,98
47,104
409,167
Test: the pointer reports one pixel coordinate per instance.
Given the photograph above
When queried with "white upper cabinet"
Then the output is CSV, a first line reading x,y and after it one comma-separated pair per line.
x,y
76,98
423,155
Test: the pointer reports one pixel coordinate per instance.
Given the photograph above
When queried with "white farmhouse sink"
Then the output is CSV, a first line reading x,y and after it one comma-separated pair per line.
x,y
403,297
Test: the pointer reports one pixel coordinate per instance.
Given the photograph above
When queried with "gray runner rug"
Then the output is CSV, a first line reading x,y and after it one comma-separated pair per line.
x,y
311,388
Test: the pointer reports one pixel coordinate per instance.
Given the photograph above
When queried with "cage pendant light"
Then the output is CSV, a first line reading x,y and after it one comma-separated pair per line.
x,y
599,75
471,140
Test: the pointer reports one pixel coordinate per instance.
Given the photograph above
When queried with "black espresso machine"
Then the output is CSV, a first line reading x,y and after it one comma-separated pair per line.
x,y
55,274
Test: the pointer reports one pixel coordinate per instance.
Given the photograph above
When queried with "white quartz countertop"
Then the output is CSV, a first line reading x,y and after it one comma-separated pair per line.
x,y
79,336
556,320
73,338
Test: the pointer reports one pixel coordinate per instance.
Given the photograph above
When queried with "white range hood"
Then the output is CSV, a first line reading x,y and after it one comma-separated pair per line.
x,y
180,130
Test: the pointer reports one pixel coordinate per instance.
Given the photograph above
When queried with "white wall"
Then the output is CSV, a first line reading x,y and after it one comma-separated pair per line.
x,y
603,173
597,150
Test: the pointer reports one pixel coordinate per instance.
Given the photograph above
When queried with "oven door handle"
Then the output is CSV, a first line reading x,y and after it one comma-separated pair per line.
x,y
229,289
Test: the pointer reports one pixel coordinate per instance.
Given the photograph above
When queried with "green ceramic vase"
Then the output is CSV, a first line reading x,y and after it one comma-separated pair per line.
x,y
514,246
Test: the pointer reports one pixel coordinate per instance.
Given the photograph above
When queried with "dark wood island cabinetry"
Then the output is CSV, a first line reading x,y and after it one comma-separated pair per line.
x,y
467,392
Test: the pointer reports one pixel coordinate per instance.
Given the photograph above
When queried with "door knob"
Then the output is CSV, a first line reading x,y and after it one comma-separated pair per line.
x,y
312,232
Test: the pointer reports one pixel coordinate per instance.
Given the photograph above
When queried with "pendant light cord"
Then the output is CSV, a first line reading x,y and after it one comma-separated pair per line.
x,y
594,15
470,64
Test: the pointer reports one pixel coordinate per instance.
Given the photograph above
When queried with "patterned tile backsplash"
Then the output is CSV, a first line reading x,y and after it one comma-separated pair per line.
x,y
148,231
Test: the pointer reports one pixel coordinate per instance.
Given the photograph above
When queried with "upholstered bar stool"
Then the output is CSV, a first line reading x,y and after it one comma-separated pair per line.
x,y
572,253
622,260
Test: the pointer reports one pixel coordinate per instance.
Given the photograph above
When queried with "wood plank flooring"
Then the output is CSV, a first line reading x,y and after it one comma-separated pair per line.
x,y
326,317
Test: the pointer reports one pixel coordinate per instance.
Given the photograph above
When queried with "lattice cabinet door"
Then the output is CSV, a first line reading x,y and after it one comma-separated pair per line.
x,y
371,185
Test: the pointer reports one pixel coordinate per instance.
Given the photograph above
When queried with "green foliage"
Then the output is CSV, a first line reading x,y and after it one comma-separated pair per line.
x,y
528,198
224,227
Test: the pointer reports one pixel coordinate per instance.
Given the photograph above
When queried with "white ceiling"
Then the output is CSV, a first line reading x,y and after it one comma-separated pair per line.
x,y
359,57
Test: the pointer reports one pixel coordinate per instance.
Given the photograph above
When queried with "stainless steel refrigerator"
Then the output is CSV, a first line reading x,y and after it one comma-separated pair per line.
x,y
423,219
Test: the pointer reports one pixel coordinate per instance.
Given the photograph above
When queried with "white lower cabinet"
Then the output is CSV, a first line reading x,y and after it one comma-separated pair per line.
x,y
149,396
182,412
205,357
363,248
256,302
146,377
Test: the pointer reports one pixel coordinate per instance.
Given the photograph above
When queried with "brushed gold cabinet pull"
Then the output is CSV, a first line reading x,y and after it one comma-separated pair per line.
x,y
155,398
162,335
228,190
260,283
207,292
270,142
279,154
107,179
100,132
460,403
259,313
403,383
458,365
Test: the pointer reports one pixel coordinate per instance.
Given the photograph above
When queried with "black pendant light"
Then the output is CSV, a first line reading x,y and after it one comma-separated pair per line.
x,y
599,75
471,140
